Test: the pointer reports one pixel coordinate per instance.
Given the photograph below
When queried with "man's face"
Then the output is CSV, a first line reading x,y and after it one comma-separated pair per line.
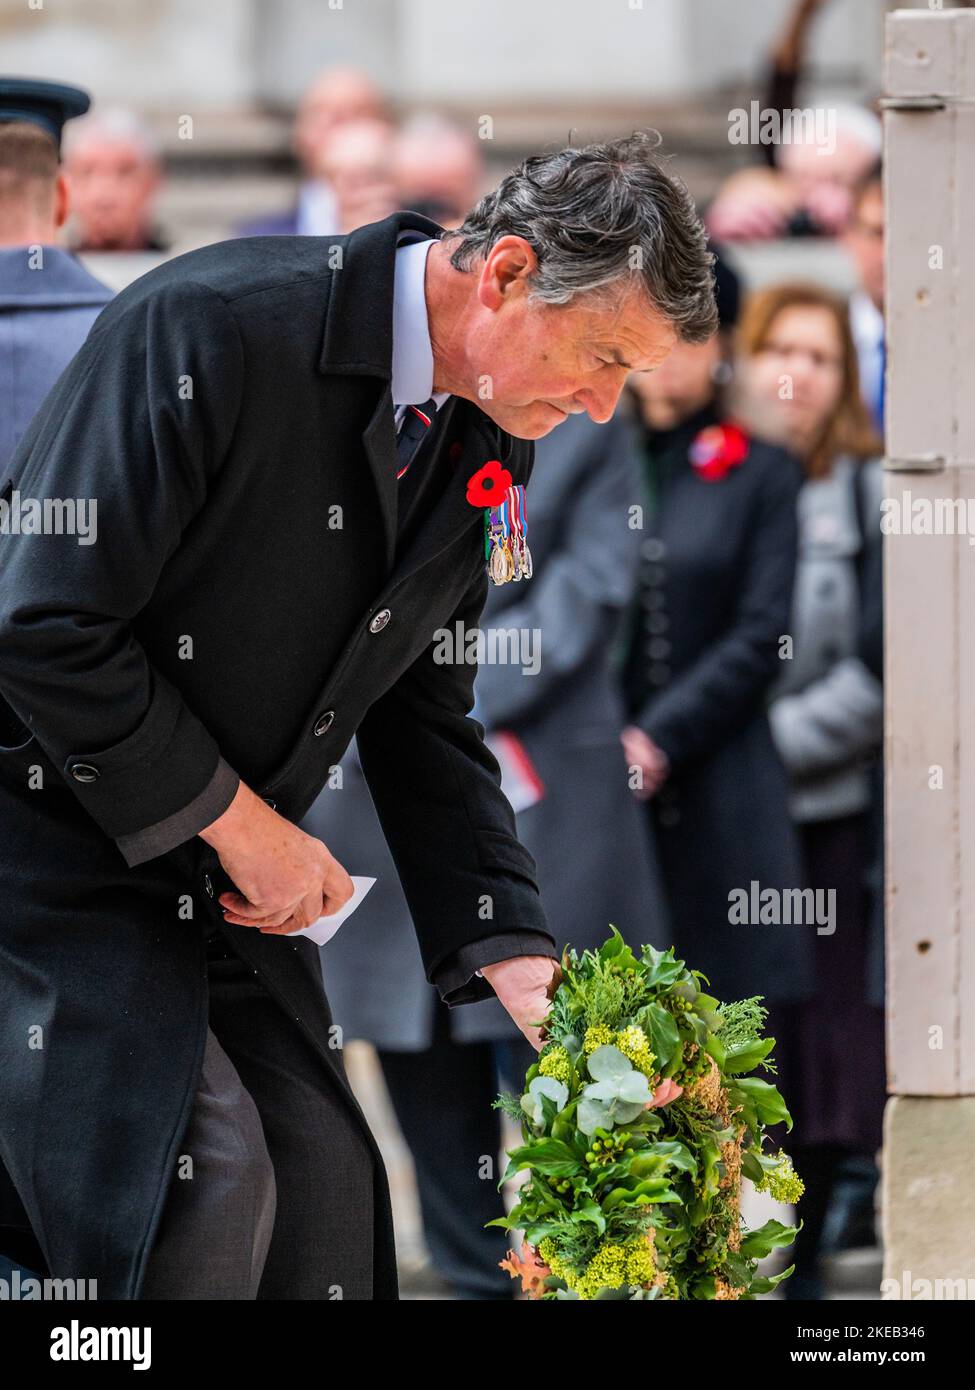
x,y
112,190
532,364
864,239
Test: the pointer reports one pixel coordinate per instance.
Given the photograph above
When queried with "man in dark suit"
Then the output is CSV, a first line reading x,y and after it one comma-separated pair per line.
x,y
272,565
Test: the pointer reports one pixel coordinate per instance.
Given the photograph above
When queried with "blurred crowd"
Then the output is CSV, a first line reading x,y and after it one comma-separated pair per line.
x,y
706,720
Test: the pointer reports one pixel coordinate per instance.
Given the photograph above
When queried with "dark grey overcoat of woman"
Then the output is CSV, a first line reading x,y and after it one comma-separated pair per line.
x,y
704,646
594,860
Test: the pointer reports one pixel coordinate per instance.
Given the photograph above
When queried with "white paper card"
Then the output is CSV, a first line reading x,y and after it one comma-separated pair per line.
x,y
325,928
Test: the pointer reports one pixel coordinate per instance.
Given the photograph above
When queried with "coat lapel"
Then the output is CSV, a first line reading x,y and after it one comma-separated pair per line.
x,y
358,341
379,441
474,438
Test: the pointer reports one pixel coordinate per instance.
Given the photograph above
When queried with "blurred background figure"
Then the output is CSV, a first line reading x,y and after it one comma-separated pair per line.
x,y
555,724
810,190
702,651
360,169
801,385
798,189
337,96
863,239
48,301
438,168
115,175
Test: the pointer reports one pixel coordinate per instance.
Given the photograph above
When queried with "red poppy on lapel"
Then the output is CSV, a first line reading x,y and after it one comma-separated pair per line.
x,y
489,485
716,450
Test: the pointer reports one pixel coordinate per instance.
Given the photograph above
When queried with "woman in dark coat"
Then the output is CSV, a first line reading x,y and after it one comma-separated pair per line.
x,y
702,651
827,722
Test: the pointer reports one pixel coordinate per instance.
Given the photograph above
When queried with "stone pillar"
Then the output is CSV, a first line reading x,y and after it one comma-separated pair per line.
x,y
929,1214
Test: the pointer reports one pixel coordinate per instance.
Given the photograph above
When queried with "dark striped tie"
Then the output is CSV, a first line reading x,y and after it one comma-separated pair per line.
x,y
416,421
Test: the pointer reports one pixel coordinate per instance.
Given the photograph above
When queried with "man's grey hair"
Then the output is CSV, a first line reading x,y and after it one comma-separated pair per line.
x,y
601,219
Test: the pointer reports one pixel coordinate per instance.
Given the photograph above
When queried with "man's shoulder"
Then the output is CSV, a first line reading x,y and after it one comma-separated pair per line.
x,y
234,270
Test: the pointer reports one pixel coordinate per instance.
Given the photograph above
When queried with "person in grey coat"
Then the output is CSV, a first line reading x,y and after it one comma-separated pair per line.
x,y
48,301
554,721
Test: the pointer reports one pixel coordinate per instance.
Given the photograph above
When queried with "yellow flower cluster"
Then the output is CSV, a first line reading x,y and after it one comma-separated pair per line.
x,y
632,1042
599,1035
556,1063
613,1265
783,1182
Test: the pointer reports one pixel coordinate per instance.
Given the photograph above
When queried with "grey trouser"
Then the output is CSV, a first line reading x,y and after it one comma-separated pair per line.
x,y
276,1200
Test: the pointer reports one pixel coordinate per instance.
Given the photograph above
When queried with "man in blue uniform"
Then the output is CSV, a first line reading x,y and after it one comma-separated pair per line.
x,y
48,301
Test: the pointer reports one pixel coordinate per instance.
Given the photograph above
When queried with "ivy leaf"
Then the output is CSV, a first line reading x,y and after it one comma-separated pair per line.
x,y
746,1056
658,1023
765,1284
757,1244
661,967
549,1156
764,1099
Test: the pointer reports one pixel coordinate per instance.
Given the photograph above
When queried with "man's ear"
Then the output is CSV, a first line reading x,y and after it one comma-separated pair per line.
x,y
507,266
62,199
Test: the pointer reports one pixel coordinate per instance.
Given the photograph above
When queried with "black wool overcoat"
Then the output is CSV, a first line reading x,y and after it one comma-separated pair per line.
x,y
243,605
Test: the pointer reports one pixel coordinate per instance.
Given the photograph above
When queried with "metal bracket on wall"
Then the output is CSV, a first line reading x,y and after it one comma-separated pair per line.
x,y
914,103
915,463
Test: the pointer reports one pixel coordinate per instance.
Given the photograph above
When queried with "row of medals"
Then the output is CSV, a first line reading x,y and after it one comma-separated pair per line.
x,y
510,557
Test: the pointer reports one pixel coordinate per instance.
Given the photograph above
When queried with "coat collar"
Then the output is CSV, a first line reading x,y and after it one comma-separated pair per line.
x,y
359,341
359,319
62,281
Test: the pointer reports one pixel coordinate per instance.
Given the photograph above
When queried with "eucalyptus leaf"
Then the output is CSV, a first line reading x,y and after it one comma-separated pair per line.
x,y
608,1063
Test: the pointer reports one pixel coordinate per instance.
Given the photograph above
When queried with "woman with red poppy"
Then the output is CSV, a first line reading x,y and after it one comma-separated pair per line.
x,y
719,554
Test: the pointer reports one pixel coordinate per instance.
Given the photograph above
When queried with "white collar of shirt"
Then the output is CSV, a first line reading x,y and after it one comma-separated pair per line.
x,y
317,210
866,320
412,366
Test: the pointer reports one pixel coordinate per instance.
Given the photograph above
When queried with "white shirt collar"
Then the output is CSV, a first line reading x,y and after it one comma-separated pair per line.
x,y
866,320
412,366
317,209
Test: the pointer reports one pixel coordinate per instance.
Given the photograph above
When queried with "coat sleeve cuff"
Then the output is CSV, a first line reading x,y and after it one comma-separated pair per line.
x,y
455,977
182,825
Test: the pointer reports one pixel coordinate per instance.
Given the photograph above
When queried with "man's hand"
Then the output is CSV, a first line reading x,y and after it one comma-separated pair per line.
x,y
640,751
525,985
287,879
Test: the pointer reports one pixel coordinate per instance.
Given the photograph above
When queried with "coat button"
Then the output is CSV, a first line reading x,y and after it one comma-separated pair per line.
x,y
208,885
85,772
659,673
658,648
324,722
654,548
380,620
